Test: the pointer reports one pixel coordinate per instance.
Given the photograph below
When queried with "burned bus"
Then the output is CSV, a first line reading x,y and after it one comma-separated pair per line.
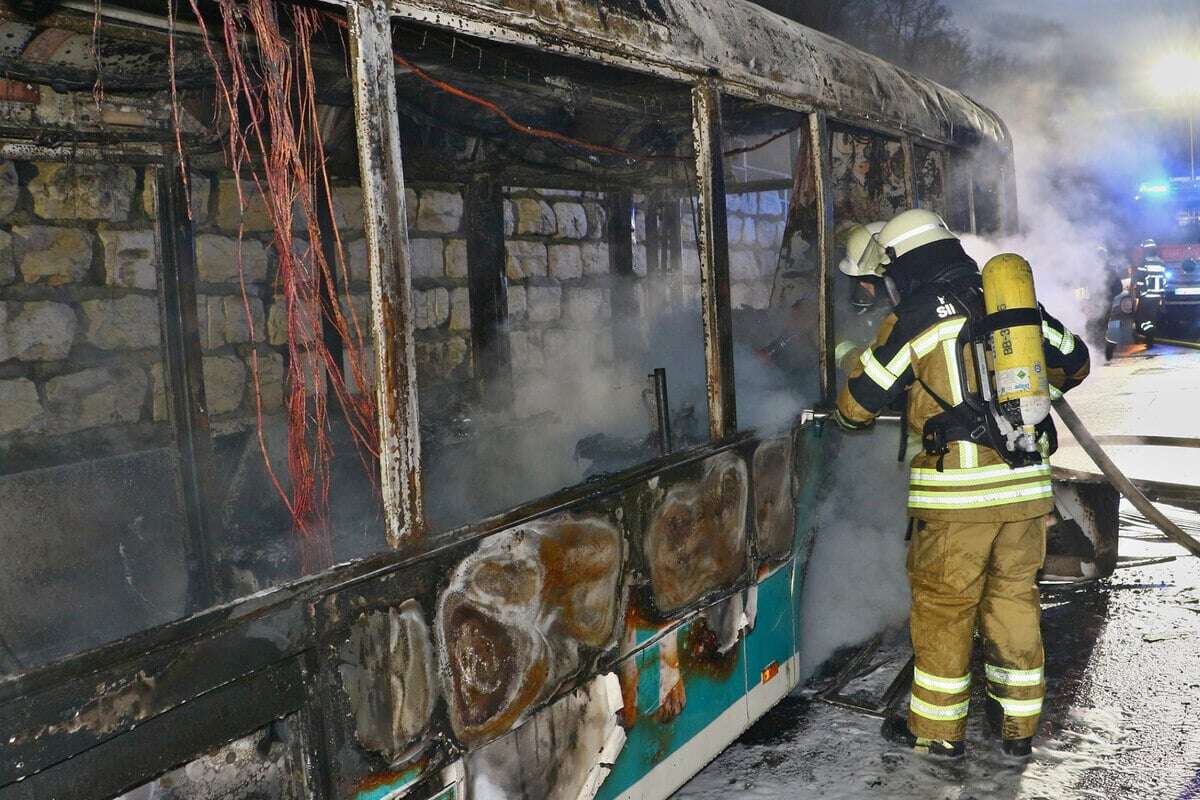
x,y
383,402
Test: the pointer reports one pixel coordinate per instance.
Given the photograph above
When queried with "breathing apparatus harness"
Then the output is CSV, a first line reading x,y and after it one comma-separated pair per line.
x,y
981,418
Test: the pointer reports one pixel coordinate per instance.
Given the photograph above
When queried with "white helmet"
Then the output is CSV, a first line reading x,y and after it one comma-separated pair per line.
x,y
909,230
864,257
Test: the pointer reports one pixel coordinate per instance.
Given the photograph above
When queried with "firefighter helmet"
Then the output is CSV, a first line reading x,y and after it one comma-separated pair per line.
x,y
863,258
909,230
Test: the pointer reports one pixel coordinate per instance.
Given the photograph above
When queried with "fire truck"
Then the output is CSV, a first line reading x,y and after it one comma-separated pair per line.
x,y
1168,224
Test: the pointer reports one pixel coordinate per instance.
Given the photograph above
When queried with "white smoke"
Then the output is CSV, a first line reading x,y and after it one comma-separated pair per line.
x,y
856,584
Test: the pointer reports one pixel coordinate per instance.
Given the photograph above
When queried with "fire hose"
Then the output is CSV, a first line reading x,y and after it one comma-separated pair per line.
x,y
1117,478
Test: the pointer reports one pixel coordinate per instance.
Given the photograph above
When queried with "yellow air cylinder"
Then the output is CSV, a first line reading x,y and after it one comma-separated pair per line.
x,y
1022,386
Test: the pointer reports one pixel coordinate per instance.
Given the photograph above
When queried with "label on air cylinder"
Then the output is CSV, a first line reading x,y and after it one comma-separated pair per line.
x,y
1009,382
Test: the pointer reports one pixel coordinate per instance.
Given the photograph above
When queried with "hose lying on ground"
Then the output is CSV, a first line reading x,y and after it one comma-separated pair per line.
x,y
1119,481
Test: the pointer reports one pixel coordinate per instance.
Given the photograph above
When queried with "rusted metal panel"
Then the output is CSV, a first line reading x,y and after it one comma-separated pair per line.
x,y
386,667
519,616
819,130
713,237
774,499
387,245
695,541
754,50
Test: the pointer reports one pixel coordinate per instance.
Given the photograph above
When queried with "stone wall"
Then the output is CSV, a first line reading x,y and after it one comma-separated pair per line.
x,y
80,347
756,226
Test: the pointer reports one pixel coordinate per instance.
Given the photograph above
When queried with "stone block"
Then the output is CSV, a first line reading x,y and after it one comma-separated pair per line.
x,y
54,255
456,258
525,349
357,264
743,265
431,307
535,217
96,397
543,303
460,310
525,259
586,303
217,259
769,235
749,295
428,259
595,220
440,212
411,205
199,189
223,320
510,218
159,399
130,259
308,324
272,381
733,228
71,190
127,323
594,256
8,264
347,202
254,217
36,331
566,262
516,302
10,191
224,383
749,236
570,220
20,408
770,204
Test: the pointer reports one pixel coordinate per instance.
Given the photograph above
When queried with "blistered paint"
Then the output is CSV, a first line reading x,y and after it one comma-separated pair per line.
x,y
696,540
563,752
387,672
516,614
774,501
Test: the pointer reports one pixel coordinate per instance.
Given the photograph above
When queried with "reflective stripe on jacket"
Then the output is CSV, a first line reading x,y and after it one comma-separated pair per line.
x,y
915,349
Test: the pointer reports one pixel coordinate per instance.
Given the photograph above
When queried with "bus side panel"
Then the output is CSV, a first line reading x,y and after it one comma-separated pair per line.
x,y
677,728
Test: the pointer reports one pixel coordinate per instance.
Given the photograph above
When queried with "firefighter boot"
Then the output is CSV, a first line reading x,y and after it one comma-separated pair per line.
x,y
1014,748
895,730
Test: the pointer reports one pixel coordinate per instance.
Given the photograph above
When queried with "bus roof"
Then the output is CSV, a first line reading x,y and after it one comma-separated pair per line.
x,y
752,50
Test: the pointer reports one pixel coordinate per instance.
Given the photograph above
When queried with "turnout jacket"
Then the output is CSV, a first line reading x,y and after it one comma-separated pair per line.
x,y
914,351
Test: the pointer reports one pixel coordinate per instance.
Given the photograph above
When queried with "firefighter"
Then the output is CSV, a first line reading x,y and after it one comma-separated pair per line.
x,y
867,304
1149,284
978,535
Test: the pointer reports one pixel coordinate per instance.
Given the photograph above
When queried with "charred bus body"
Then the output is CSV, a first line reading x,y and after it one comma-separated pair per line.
x,y
516,567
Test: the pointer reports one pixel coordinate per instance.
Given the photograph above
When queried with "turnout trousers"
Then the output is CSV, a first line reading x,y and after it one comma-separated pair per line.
x,y
968,573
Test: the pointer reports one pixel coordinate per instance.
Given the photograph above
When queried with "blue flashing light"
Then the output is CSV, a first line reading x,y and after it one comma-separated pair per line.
x,y
1155,188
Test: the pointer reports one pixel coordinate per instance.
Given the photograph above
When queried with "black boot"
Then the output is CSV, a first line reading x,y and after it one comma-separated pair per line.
x,y
895,730
1018,748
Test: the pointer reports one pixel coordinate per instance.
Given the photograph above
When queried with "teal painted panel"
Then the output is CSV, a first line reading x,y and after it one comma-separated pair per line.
x,y
712,683
773,638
